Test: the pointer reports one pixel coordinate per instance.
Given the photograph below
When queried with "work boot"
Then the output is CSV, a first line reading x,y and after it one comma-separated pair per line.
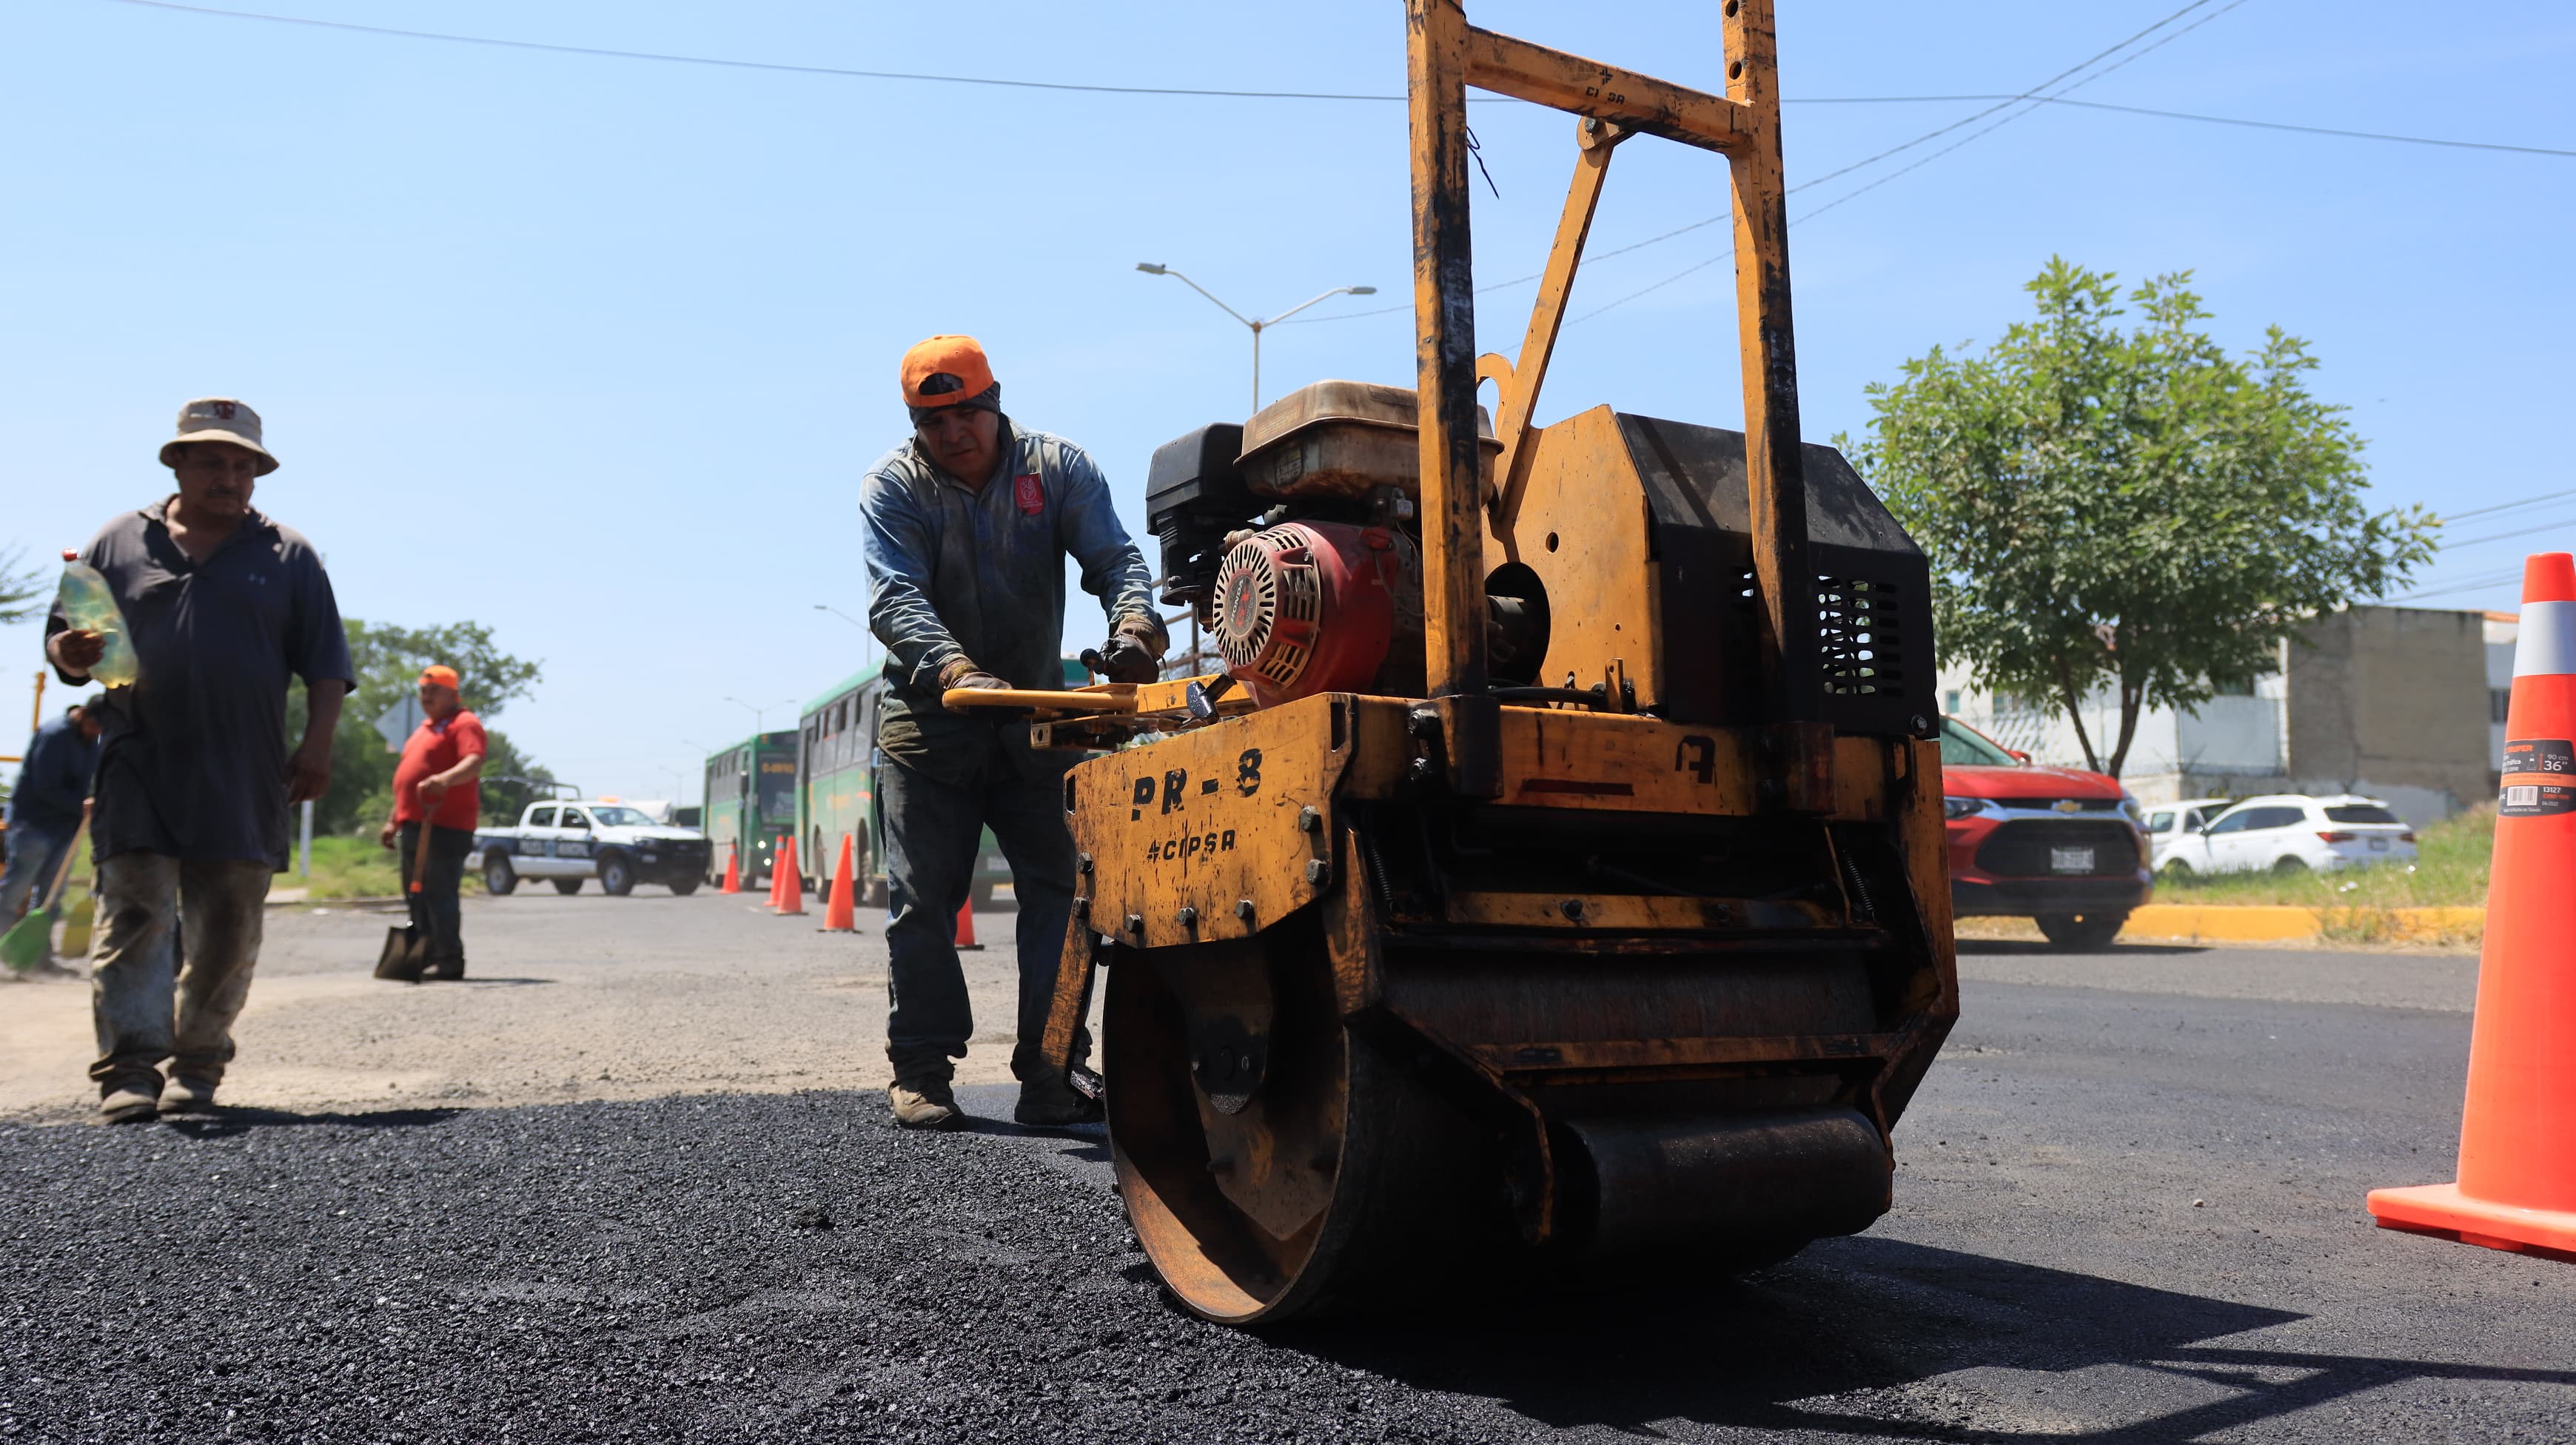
x,y
925,1104
450,969
187,1096
135,1103
1052,1102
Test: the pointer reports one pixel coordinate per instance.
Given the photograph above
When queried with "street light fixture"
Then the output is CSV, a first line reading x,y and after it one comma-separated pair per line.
x,y
760,712
865,650
1156,268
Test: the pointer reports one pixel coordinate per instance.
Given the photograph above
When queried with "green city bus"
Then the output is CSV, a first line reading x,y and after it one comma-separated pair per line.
x,y
750,804
836,790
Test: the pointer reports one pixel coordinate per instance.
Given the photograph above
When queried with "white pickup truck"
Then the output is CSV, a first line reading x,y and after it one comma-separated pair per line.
x,y
569,843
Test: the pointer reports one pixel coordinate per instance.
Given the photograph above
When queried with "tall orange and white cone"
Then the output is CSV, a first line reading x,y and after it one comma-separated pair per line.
x,y
733,869
966,924
841,908
2517,1185
791,879
777,874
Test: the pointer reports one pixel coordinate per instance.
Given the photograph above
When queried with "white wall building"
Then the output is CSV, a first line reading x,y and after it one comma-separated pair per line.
x,y
2400,703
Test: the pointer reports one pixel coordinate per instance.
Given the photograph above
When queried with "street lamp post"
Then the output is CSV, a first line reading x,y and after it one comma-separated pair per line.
x,y
760,712
1156,268
865,650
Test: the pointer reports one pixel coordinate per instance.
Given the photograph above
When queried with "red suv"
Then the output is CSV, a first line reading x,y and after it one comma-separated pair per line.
x,y
2059,846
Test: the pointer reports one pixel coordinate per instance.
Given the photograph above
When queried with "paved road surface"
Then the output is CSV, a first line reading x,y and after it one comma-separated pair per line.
x,y
2128,1210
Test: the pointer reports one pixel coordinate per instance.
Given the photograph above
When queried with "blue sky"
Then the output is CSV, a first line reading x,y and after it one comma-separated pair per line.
x,y
594,350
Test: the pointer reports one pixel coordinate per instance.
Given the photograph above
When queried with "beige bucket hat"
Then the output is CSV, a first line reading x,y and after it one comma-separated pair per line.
x,y
218,419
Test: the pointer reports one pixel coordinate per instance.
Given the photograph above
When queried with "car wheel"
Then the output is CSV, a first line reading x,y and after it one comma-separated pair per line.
x,y
2179,871
498,876
2083,931
567,886
683,887
2289,865
616,876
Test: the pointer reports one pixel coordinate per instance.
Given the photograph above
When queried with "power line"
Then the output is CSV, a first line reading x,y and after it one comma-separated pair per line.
x,y
2413,140
2025,95
2028,110
2493,579
605,53
662,57
2449,517
2556,524
1944,130
1829,175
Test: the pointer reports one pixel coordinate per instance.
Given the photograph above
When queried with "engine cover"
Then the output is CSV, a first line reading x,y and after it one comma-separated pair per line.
x,y
1310,607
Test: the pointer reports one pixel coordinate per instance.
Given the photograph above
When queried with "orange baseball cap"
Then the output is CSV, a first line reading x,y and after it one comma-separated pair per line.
x,y
439,674
944,371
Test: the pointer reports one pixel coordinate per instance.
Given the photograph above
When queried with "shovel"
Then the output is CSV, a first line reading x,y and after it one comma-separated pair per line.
x,y
406,953
30,941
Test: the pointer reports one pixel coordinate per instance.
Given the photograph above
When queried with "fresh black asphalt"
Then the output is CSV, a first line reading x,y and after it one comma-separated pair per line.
x,y
2121,1216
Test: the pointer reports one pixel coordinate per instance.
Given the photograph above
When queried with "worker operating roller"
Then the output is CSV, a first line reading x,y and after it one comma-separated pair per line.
x,y
968,525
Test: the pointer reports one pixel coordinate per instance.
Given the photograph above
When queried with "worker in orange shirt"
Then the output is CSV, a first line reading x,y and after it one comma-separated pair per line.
x,y
438,793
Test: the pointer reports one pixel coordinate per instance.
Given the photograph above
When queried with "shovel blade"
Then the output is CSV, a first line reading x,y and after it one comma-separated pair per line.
x,y
405,955
76,926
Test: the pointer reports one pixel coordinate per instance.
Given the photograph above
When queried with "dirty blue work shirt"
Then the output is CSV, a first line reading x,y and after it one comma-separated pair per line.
x,y
193,761
958,572
54,778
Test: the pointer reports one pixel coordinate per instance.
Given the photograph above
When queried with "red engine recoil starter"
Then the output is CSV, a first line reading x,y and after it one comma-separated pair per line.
x,y
1308,607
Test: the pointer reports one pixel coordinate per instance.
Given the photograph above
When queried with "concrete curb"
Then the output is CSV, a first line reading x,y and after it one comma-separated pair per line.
x,y
2243,923
282,899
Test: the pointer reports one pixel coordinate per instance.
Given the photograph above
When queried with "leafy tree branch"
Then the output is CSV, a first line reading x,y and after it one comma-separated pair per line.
x,y
2128,510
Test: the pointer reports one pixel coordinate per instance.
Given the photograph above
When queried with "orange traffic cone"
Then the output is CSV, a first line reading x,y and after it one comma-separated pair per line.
x,y
841,912
2517,1185
733,870
966,925
777,874
791,880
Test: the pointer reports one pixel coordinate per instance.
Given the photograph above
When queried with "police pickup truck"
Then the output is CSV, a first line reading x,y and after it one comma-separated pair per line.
x,y
568,843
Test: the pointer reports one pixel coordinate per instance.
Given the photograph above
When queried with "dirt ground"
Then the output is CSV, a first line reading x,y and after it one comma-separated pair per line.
x,y
579,998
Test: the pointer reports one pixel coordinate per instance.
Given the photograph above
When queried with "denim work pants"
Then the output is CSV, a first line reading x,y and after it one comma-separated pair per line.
x,y
433,908
36,858
932,831
176,944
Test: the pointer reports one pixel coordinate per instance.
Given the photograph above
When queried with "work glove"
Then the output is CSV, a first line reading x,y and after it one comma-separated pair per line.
x,y
962,672
1134,651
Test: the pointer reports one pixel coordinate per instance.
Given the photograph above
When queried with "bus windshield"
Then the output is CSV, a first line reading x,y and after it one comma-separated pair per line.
x,y
777,791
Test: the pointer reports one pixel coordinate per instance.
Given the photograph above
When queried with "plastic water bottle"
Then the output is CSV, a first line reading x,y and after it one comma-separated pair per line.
x,y
89,606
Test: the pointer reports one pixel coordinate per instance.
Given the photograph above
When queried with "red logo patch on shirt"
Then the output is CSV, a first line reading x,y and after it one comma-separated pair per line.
x,y
1031,493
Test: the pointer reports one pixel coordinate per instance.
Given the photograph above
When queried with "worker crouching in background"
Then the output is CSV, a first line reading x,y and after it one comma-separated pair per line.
x,y
968,525
438,797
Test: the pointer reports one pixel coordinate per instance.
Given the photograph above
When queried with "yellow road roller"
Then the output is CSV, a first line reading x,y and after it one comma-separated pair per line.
x,y
1549,888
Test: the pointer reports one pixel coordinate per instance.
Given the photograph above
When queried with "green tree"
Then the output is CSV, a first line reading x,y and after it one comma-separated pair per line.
x,y
2131,509
388,661
22,593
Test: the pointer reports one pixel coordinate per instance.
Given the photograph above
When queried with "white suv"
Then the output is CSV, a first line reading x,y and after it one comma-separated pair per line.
x,y
2292,833
2169,824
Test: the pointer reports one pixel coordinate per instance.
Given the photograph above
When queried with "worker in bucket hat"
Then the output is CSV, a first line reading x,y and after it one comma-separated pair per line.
x,y
224,607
